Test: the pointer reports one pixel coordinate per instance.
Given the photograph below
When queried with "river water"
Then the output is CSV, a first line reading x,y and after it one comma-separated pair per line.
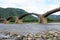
x,y
29,27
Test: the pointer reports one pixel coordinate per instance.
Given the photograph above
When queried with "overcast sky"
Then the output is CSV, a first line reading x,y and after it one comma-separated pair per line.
x,y
36,6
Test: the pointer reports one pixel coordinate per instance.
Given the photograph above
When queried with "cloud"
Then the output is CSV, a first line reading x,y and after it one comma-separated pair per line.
x,y
36,6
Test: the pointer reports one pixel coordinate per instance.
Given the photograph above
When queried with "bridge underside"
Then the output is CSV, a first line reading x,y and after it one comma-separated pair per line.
x,y
22,16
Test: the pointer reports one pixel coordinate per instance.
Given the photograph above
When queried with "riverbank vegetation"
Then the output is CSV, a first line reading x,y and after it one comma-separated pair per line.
x,y
52,20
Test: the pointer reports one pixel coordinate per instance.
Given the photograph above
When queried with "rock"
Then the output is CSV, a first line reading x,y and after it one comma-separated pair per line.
x,y
19,37
3,36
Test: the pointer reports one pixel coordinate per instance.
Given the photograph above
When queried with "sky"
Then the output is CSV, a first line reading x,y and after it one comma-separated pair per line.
x,y
35,6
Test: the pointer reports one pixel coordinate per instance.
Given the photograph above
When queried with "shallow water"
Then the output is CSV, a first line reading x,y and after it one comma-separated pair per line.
x,y
29,27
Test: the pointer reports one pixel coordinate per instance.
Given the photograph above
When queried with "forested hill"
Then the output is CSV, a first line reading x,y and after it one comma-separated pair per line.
x,y
6,12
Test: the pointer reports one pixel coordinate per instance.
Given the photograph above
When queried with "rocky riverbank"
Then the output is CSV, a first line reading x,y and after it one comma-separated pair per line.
x,y
48,35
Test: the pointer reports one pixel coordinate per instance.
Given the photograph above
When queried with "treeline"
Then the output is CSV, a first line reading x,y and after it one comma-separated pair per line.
x,y
52,20
30,19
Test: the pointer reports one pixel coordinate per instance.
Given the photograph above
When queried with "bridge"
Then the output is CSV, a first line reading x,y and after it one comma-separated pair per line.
x,y
42,18
18,20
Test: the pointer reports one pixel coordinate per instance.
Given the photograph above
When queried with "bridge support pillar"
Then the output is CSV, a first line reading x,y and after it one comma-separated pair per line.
x,y
43,20
18,21
6,22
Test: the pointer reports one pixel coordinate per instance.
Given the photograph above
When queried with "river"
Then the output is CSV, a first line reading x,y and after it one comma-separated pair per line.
x,y
29,27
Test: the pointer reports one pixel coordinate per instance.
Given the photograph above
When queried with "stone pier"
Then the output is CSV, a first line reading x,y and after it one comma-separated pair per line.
x,y
43,20
18,21
6,22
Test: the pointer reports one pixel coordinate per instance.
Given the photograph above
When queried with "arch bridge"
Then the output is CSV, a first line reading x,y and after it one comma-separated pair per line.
x,y
18,19
42,18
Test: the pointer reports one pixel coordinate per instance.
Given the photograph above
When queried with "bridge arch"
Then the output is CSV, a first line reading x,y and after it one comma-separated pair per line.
x,y
51,12
24,15
7,20
45,15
